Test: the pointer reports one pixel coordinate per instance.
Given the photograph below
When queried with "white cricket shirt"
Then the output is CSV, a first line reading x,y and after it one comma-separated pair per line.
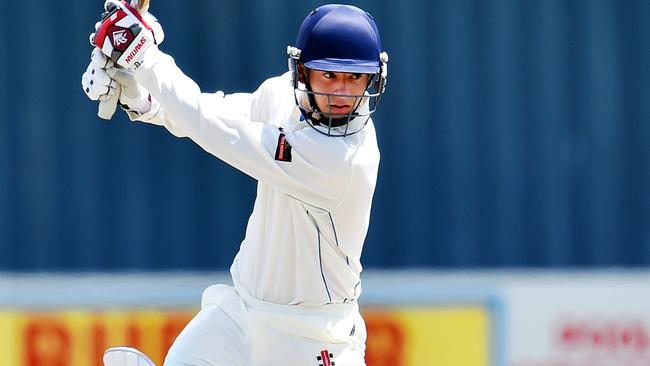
x,y
305,235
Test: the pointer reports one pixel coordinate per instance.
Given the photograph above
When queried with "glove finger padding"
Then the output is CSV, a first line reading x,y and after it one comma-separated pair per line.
x,y
97,84
111,5
99,60
102,82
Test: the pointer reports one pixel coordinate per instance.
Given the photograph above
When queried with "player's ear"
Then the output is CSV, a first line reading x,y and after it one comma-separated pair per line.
x,y
302,73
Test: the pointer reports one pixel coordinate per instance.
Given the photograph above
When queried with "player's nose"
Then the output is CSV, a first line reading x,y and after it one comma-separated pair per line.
x,y
343,87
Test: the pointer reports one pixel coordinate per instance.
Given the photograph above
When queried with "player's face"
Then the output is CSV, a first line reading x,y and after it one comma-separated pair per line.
x,y
343,83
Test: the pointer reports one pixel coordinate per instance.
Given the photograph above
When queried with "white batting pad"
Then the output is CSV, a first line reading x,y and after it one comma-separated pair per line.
x,y
126,356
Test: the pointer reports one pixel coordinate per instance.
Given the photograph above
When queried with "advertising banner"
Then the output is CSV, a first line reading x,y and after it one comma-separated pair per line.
x,y
578,322
424,336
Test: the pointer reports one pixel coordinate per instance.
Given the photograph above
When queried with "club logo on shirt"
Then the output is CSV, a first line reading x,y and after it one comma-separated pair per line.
x,y
283,150
325,358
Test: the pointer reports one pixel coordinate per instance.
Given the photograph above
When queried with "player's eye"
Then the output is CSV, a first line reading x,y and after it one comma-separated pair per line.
x,y
329,75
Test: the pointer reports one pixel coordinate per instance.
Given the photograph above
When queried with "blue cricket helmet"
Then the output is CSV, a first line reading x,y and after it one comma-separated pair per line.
x,y
340,38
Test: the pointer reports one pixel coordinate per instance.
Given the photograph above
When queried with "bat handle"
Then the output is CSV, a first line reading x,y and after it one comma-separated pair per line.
x,y
107,107
141,5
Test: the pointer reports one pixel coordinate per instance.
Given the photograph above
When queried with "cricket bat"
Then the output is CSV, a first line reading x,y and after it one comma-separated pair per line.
x,y
107,107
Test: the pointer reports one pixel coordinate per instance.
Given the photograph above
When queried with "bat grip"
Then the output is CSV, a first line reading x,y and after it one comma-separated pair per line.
x,y
140,5
107,108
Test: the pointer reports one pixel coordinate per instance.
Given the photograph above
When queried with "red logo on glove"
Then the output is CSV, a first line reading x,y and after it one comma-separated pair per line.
x,y
120,37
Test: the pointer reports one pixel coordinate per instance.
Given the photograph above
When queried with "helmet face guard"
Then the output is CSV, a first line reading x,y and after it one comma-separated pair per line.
x,y
337,124
338,38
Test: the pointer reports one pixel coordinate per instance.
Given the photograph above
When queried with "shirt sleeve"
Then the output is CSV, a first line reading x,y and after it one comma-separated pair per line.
x,y
304,164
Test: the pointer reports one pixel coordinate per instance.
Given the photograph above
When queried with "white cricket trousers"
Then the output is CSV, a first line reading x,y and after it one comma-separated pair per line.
x,y
233,329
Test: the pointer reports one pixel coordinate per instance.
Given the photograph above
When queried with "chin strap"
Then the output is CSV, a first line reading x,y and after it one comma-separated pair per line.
x,y
331,122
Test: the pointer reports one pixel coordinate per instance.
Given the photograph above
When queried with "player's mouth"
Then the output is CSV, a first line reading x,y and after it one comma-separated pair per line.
x,y
340,108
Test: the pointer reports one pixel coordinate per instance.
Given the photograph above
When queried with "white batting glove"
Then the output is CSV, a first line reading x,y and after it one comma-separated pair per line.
x,y
104,82
125,35
126,356
96,83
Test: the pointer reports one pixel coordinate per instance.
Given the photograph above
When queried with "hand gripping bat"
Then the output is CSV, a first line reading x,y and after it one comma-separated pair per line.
x,y
107,107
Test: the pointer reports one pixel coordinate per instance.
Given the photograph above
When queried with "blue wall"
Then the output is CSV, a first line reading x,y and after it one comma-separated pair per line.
x,y
514,133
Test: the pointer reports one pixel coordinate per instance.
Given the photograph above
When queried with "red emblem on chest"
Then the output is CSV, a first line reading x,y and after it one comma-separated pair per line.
x,y
283,150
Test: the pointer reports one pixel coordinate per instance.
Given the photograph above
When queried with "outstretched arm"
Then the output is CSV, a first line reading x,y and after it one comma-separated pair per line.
x,y
301,163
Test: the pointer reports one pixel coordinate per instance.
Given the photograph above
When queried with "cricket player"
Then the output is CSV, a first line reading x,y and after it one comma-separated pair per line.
x,y
307,138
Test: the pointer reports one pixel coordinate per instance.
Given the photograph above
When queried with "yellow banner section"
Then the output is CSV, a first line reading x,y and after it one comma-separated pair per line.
x,y
444,336
449,336
79,337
